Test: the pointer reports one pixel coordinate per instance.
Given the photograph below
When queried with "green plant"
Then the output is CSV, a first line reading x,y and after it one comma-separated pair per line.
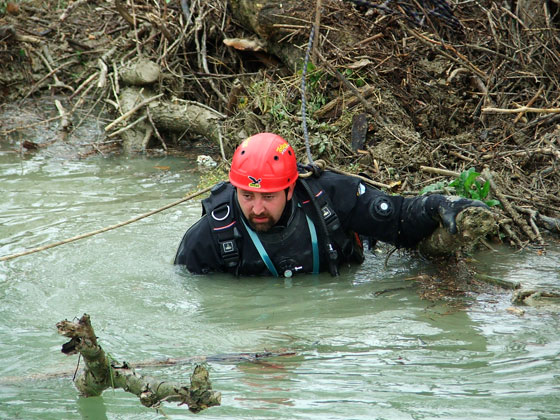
x,y
314,76
354,78
467,185
433,187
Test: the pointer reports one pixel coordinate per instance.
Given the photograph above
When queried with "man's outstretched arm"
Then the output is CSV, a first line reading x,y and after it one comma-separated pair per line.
x,y
403,222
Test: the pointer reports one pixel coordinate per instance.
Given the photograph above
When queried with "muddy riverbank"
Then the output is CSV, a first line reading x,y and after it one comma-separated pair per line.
x,y
408,96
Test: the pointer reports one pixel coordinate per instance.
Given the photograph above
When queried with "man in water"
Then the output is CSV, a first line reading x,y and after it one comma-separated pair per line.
x,y
269,219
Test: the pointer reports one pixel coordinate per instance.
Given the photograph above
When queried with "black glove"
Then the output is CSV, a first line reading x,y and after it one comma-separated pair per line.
x,y
445,208
420,216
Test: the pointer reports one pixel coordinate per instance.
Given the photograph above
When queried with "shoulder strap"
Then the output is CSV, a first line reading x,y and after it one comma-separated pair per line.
x,y
219,210
329,220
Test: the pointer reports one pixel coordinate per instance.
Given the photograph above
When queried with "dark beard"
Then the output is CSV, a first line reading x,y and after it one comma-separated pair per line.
x,y
261,227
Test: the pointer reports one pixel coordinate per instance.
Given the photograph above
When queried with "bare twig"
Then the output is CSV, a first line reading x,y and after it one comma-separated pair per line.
x,y
533,215
531,102
317,27
156,131
508,207
438,171
521,109
70,8
132,111
65,122
128,127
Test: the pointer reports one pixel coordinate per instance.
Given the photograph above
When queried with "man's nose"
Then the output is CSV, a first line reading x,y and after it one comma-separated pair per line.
x,y
258,205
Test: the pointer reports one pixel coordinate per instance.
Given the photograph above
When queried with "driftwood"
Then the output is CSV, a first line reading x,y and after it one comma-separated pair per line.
x,y
140,73
101,373
223,358
150,115
271,20
542,299
189,116
473,224
135,135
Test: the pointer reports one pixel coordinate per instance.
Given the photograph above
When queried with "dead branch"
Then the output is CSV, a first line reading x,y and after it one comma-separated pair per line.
x,y
70,8
521,109
127,114
439,171
508,207
101,373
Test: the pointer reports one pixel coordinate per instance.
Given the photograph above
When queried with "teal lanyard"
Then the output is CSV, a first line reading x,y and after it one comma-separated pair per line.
x,y
260,248
314,244
266,259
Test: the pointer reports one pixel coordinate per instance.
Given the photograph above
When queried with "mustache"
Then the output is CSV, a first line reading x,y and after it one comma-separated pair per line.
x,y
261,226
261,215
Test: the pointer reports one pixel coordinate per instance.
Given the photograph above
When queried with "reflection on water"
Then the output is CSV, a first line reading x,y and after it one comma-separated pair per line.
x,y
359,353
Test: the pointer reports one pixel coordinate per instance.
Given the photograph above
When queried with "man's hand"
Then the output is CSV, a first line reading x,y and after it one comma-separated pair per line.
x,y
448,207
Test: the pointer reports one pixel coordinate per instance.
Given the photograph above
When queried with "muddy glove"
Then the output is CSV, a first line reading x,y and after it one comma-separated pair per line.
x,y
446,208
420,216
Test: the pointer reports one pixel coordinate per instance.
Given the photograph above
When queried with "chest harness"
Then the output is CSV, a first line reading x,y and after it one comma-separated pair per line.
x,y
219,209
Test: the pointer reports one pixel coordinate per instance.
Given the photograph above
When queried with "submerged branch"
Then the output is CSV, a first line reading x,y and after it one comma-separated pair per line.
x,y
101,373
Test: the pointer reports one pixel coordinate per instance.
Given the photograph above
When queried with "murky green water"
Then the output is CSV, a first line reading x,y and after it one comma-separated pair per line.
x,y
359,354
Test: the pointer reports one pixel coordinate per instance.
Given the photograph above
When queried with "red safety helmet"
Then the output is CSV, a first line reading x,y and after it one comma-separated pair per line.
x,y
264,162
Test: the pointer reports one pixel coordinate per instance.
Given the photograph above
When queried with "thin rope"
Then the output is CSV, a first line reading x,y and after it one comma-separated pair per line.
x,y
303,110
118,225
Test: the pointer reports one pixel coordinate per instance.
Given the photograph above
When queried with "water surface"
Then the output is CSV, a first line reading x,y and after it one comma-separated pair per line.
x,y
366,345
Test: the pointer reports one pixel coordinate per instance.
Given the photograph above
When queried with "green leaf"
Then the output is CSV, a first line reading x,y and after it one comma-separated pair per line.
x,y
456,182
492,203
485,189
471,178
433,187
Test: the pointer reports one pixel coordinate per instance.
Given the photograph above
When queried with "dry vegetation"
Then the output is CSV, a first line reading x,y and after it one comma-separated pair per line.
x,y
400,95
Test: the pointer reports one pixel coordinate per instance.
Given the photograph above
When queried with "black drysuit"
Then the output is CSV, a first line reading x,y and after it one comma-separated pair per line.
x,y
360,209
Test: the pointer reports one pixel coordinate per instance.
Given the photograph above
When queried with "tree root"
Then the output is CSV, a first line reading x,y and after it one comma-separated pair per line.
x,y
101,372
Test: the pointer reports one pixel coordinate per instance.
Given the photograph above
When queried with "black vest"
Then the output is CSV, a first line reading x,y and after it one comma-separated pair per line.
x,y
289,247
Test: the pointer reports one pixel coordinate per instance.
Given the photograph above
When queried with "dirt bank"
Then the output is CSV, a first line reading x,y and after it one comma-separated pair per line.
x,y
408,94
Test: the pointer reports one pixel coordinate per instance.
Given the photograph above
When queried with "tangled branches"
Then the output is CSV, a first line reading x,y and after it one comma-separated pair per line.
x,y
436,84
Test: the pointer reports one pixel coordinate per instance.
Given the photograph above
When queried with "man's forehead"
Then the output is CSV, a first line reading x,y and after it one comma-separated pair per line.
x,y
257,193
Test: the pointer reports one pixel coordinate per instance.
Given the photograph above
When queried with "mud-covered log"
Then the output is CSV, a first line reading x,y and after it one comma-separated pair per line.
x,y
269,20
188,116
473,224
101,373
140,73
541,299
136,134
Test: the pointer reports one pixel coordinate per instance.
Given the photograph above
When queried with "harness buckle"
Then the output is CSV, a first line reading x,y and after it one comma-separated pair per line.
x,y
331,219
230,253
